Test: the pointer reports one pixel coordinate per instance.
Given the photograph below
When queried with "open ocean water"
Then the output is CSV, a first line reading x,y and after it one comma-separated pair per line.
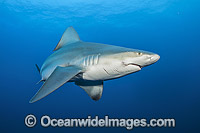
x,y
170,88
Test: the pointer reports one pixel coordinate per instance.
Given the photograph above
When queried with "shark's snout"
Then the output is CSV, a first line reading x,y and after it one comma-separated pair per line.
x,y
148,59
155,57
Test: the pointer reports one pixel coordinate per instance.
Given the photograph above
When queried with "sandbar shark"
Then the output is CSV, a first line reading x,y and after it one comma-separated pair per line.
x,y
88,65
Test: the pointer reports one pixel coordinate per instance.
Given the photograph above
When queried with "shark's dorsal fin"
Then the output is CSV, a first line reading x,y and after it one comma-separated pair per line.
x,y
69,36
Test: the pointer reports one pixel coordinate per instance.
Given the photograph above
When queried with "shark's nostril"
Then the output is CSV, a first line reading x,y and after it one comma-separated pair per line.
x,y
150,57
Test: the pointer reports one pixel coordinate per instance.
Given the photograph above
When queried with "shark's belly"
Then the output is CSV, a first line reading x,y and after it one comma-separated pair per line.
x,y
98,73
102,72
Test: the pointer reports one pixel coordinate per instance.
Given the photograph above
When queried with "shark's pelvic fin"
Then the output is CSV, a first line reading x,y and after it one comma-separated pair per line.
x,y
93,88
59,76
69,36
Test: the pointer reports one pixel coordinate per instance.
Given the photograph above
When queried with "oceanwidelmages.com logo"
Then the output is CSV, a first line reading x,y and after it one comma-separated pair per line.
x,y
130,123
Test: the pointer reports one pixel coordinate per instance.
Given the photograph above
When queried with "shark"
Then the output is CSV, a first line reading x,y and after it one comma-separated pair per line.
x,y
88,65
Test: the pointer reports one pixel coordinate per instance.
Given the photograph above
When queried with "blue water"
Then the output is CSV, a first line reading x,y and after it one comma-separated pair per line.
x,y
30,30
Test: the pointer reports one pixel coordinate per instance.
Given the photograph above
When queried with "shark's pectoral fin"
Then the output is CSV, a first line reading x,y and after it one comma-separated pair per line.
x,y
93,88
59,76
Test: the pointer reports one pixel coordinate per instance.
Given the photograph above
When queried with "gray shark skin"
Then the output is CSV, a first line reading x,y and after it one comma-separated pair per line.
x,y
88,65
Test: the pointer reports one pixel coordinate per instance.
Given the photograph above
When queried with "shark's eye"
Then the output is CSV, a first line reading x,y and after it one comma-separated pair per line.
x,y
139,53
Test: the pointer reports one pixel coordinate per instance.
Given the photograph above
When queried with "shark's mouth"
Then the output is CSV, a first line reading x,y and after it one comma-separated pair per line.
x,y
133,64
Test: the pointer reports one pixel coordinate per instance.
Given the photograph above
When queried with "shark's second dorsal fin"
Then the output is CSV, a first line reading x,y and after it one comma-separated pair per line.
x,y
69,36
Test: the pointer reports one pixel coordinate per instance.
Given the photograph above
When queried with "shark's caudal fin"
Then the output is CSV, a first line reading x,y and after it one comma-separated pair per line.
x,y
69,36
59,76
93,88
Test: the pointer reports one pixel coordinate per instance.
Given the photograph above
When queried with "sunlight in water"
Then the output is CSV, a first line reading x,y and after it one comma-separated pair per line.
x,y
48,9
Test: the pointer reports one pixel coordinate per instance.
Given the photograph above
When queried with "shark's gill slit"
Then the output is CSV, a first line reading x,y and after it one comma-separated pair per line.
x,y
98,58
88,60
84,62
91,60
